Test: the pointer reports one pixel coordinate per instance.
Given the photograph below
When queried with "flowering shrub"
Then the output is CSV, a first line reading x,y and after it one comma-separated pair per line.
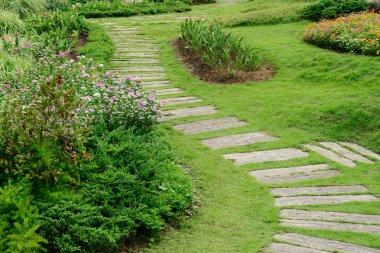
x,y
359,33
46,109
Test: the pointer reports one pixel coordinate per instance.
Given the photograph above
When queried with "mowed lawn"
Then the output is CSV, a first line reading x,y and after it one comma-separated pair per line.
x,y
316,95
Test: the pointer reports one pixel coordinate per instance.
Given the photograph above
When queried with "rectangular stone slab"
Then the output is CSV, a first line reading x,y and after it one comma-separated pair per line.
x,y
123,50
290,170
319,200
361,150
187,112
168,91
287,248
142,76
296,177
209,125
137,55
295,214
238,140
345,152
156,84
323,244
266,156
295,191
134,61
138,69
364,228
331,155
178,101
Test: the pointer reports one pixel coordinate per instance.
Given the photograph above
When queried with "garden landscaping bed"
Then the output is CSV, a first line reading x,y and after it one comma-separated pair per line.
x,y
207,74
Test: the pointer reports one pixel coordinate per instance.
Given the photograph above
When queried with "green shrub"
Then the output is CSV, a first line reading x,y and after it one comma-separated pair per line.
x,y
131,187
57,30
118,9
328,9
10,22
99,46
358,33
24,8
218,49
19,220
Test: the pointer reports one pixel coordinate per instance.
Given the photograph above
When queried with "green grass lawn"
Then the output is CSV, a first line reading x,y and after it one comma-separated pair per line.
x,y
316,95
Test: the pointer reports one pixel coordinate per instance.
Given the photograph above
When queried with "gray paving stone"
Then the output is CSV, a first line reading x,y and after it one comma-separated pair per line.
x,y
138,69
293,176
154,84
135,61
331,155
135,50
345,152
178,101
143,76
361,150
287,248
371,229
266,155
295,214
142,55
238,140
210,125
323,244
187,112
315,190
319,200
168,91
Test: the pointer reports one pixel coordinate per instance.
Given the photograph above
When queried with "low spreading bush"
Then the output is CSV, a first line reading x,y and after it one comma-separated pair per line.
x,y
119,9
130,189
218,49
19,220
99,45
328,9
358,33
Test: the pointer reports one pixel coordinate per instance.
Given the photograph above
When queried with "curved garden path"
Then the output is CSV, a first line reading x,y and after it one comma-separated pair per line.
x,y
225,137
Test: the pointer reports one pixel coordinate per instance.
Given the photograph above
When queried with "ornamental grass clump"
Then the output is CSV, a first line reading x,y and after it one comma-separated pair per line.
x,y
219,50
357,33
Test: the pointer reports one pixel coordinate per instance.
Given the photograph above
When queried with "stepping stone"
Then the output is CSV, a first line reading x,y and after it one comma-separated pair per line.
x,y
345,152
210,125
142,76
294,214
139,69
318,243
128,50
135,61
238,140
287,248
296,191
178,101
321,200
168,91
142,55
371,229
361,150
293,174
266,156
331,155
187,112
156,84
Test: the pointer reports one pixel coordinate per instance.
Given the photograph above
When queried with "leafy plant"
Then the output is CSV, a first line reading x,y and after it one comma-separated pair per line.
x,y
332,9
19,220
218,49
359,33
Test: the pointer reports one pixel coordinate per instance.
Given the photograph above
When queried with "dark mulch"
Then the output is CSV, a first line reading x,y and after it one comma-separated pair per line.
x,y
207,74
81,40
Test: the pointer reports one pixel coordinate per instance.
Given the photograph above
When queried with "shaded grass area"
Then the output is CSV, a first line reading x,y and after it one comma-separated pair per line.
x,y
316,95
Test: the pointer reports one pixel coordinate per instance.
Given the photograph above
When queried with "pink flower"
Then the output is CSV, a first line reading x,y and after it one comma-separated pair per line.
x,y
137,78
8,86
63,54
154,108
151,98
128,77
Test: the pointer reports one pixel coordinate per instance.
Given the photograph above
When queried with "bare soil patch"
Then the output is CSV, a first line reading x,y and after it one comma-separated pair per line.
x,y
207,74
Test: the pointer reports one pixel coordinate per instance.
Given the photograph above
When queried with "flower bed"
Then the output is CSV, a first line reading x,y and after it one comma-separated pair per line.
x,y
358,33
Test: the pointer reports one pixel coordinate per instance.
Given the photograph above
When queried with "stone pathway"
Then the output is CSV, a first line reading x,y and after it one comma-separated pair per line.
x,y
138,55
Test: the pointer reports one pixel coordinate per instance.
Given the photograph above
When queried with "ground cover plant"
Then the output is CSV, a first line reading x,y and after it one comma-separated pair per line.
x,y
328,9
358,33
222,56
